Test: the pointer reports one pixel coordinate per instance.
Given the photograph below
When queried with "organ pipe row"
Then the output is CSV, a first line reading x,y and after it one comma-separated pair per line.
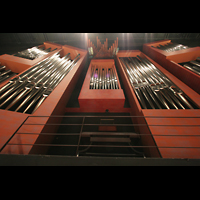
x,y
170,47
26,92
154,89
103,78
193,65
33,53
5,74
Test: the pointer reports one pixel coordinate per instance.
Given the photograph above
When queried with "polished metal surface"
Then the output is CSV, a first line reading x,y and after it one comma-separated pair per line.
x,y
170,47
192,68
27,92
193,65
154,89
5,74
103,78
32,53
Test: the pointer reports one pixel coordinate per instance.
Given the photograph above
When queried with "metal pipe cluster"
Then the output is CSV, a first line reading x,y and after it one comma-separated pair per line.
x,y
33,53
169,47
103,78
5,74
152,88
26,92
193,65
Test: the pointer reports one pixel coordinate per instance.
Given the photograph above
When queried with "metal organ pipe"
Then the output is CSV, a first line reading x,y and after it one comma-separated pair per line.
x,y
169,47
5,74
34,52
103,78
153,88
31,88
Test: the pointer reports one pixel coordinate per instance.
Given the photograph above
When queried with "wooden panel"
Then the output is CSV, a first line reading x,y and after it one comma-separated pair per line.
x,y
107,139
101,100
53,105
166,131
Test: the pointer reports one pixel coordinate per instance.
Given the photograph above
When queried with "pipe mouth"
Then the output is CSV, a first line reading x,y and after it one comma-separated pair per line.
x,y
173,87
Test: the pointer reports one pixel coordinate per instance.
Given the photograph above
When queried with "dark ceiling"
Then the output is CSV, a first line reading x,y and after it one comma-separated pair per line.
x,y
12,42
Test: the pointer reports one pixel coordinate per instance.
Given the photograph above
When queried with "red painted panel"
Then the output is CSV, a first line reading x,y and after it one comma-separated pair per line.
x,y
18,64
170,60
175,135
192,153
150,51
136,110
177,141
100,100
53,105
9,122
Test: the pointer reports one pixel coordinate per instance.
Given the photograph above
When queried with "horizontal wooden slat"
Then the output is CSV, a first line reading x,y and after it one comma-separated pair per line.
x,y
106,139
131,134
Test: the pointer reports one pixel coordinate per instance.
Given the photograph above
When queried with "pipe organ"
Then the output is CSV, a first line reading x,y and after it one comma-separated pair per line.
x,y
161,107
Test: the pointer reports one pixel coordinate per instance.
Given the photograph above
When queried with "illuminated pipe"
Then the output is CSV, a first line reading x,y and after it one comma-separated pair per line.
x,y
155,80
161,86
25,89
12,82
2,67
5,72
177,91
56,77
195,63
134,83
39,94
42,83
54,83
193,69
24,80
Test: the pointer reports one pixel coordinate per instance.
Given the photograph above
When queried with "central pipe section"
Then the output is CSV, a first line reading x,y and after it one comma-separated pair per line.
x,y
103,78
